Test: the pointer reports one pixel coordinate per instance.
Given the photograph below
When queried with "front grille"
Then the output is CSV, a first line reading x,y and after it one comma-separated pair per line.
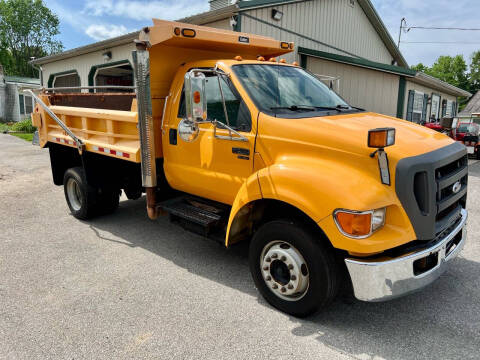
x,y
425,187
449,203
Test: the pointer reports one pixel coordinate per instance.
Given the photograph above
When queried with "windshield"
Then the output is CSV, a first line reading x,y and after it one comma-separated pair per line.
x,y
467,128
276,88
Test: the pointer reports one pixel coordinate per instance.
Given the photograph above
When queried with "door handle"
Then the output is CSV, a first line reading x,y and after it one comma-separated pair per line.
x,y
241,151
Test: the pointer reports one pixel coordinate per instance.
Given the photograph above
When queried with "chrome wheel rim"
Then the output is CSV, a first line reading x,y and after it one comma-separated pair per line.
x,y
284,270
74,194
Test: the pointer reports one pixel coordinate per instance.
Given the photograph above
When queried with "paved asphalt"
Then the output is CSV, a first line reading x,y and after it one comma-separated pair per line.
x,y
125,287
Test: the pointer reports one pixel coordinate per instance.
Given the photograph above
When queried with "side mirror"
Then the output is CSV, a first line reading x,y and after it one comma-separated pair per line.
x,y
196,104
195,96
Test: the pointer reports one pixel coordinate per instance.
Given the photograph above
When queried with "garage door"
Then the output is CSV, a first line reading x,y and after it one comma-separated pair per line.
x,y
67,80
117,76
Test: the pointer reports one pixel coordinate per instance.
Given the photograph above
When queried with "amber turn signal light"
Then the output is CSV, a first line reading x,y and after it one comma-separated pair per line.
x,y
176,31
196,97
381,138
355,224
284,45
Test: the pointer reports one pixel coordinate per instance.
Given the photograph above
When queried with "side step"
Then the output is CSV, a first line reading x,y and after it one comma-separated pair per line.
x,y
198,215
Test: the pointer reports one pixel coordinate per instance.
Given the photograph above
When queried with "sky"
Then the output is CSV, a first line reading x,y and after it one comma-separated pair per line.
x,y
86,21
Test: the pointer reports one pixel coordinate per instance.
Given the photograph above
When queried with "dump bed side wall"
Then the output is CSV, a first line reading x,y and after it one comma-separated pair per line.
x,y
107,132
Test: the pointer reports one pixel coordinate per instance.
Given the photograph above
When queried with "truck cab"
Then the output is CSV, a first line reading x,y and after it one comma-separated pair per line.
x,y
237,145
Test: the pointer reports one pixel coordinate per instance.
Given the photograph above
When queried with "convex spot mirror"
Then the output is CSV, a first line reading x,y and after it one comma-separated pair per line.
x,y
196,106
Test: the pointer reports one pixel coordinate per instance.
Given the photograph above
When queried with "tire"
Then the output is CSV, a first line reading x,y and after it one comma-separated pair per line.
x,y
108,201
82,199
288,245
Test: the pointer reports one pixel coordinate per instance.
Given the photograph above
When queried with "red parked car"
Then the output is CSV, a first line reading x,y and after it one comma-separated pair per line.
x,y
468,134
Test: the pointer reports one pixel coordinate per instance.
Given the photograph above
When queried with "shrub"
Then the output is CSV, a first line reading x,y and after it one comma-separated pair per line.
x,y
4,128
24,126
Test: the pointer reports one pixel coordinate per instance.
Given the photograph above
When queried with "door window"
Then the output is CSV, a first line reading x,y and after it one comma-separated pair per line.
x,y
238,113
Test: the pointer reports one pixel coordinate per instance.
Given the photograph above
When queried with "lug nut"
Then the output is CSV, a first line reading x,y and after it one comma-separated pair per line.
x,y
290,286
283,289
268,278
293,277
265,268
274,256
274,286
268,259
283,258
290,266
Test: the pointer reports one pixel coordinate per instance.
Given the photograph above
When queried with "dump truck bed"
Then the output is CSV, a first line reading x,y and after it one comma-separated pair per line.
x,y
105,131
107,123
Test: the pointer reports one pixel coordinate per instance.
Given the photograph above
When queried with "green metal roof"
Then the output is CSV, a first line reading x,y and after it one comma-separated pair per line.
x,y
23,80
359,62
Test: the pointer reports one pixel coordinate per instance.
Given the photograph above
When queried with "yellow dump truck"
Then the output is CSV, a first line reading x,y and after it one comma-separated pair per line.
x,y
235,144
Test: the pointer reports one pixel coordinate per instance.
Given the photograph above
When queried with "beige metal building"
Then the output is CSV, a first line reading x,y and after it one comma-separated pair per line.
x,y
343,40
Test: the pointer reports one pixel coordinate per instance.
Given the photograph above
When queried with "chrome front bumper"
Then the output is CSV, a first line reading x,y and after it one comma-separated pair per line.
x,y
375,280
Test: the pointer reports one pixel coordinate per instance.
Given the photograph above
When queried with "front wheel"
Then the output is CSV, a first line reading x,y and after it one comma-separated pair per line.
x,y
293,270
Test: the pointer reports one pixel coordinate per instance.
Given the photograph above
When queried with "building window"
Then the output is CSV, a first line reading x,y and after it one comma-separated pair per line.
x,y
21,104
351,3
417,106
450,109
28,104
435,107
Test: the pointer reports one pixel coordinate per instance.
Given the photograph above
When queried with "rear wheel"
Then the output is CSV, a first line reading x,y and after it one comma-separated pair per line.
x,y
86,201
81,198
108,200
292,268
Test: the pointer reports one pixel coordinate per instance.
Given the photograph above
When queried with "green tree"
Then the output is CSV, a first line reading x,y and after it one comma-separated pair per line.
x,y
452,70
474,75
27,30
420,67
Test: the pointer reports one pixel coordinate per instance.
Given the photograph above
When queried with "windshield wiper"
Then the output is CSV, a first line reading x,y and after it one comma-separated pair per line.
x,y
349,107
339,108
295,108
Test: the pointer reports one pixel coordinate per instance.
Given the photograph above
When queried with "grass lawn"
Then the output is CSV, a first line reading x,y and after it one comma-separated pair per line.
x,y
27,137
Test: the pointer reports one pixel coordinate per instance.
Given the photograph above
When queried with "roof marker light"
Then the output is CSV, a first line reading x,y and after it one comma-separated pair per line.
x,y
272,59
189,33
238,58
260,58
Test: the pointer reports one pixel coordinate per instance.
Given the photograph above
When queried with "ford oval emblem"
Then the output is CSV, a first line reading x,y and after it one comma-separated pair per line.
x,y
456,187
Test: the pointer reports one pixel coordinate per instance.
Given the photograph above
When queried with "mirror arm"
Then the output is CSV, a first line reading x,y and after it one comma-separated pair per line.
x,y
230,130
223,103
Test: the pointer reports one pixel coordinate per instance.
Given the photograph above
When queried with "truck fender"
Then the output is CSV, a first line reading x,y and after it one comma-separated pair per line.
x,y
315,187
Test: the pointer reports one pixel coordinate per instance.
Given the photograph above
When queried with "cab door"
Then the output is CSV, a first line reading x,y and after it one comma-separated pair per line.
x,y
210,167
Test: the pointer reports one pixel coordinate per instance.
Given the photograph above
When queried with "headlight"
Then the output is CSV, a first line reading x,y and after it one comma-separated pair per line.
x,y
359,224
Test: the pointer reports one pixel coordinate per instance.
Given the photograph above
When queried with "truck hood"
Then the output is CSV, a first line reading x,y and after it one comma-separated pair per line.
x,y
349,133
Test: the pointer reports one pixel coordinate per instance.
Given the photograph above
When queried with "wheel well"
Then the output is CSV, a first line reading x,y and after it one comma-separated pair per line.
x,y
256,213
